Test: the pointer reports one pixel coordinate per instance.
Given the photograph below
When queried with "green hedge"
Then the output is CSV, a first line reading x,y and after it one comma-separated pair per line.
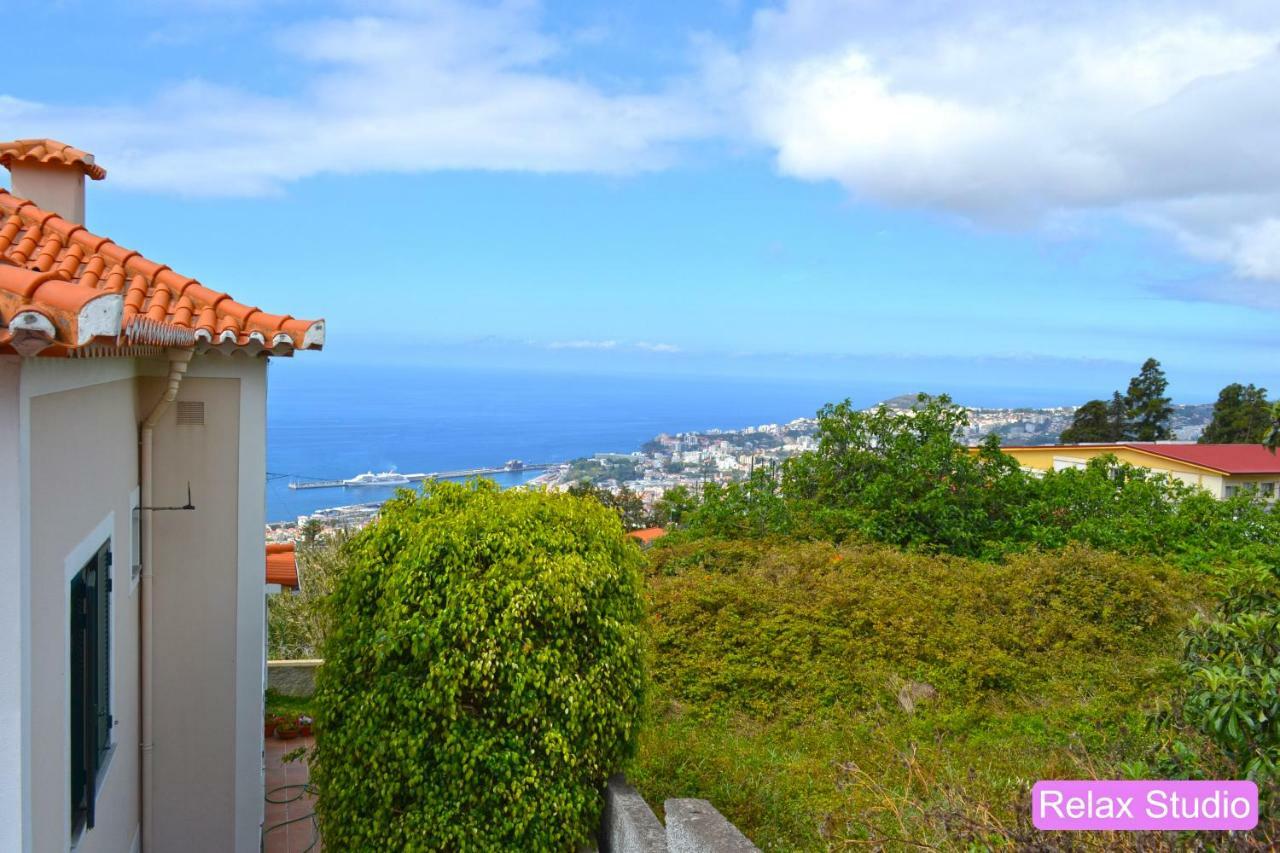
x,y
484,674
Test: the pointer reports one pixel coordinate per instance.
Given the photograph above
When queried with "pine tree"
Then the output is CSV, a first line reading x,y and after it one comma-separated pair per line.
x,y
1118,426
1149,409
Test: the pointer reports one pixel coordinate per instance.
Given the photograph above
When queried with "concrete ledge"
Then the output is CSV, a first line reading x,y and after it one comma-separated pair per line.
x,y
694,826
628,824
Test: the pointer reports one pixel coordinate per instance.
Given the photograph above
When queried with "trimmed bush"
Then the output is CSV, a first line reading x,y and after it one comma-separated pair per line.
x,y
483,673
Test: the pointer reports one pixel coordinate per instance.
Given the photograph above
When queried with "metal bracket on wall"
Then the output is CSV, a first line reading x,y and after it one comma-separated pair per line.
x,y
189,505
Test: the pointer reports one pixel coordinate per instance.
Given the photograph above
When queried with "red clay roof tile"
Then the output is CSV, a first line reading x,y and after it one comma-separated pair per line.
x,y
648,534
88,289
282,564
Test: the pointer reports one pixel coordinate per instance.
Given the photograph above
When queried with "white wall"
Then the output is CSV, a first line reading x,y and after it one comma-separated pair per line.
x,y
14,816
81,423
76,422
209,567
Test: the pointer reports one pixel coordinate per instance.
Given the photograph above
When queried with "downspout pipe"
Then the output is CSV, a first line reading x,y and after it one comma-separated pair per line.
x,y
179,359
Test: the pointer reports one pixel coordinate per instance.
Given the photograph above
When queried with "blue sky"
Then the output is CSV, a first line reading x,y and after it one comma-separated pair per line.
x,y
1020,195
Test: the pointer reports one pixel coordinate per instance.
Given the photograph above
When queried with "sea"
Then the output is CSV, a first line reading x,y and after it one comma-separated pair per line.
x,y
337,421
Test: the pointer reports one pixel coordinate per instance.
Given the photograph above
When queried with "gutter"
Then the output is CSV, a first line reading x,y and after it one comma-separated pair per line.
x,y
179,359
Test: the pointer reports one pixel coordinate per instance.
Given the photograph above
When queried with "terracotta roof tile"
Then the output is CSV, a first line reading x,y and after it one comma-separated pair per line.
x,y
282,564
648,534
64,289
49,151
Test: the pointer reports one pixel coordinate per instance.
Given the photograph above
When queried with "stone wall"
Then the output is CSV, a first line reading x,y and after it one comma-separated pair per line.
x,y
693,826
292,677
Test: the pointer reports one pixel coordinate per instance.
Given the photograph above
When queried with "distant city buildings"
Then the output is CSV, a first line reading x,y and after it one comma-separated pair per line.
x,y
693,459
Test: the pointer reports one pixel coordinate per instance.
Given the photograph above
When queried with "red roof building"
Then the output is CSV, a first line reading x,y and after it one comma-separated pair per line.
x,y
1222,469
1224,458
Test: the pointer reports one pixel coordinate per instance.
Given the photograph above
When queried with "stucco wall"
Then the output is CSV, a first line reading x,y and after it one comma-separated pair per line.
x,y
208,606
13,818
76,424
83,451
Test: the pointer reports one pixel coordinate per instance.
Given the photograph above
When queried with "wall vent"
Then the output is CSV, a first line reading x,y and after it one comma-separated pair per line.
x,y
190,413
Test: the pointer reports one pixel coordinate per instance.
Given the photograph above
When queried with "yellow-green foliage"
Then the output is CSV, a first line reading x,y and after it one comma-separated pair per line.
x,y
782,670
483,674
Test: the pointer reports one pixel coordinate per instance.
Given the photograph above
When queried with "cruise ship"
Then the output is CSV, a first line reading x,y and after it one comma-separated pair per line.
x,y
386,478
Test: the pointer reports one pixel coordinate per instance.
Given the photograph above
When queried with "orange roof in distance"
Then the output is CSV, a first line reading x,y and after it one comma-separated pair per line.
x,y
648,534
282,564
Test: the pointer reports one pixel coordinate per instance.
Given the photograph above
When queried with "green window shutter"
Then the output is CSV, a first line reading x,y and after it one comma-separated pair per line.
x,y
102,691
90,682
79,644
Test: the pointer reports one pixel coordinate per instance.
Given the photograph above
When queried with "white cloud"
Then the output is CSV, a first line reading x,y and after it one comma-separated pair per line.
x,y
420,86
583,344
589,344
1014,112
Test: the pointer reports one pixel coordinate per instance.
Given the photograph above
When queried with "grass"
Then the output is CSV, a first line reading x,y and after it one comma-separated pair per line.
x,y
288,706
780,670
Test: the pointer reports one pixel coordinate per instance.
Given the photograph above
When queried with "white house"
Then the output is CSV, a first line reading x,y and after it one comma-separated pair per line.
x,y
132,490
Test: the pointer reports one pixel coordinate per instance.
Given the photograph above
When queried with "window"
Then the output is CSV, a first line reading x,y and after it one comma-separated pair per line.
x,y
90,682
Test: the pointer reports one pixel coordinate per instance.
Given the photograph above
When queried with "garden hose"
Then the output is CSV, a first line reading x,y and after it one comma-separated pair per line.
x,y
315,827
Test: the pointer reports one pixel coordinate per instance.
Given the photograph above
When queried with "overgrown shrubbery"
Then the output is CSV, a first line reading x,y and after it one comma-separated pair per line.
x,y
483,673
781,623
827,696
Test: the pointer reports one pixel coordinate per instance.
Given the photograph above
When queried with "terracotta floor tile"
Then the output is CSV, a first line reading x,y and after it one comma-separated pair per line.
x,y
296,836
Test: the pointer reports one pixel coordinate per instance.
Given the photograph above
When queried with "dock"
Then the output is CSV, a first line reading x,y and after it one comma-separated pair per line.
x,y
435,475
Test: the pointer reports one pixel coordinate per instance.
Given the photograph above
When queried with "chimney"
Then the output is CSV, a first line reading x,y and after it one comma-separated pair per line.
x,y
51,174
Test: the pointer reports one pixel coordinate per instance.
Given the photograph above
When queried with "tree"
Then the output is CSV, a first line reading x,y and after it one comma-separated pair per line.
x,y
484,673
1092,422
311,530
1272,438
1149,408
1240,416
1118,418
674,507
627,504
902,477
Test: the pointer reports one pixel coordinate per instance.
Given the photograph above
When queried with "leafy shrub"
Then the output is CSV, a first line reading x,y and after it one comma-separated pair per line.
x,y
483,675
1233,661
